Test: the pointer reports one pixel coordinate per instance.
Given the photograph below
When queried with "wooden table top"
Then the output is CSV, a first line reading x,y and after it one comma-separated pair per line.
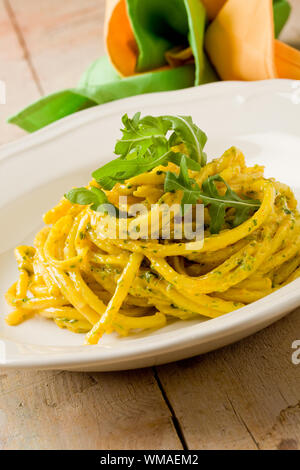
x,y
245,396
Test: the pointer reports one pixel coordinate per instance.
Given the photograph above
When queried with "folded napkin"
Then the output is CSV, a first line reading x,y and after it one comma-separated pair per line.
x,y
246,50
162,45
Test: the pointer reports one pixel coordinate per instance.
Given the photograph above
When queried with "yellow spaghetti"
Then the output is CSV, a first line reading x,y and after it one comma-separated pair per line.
x,y
90,284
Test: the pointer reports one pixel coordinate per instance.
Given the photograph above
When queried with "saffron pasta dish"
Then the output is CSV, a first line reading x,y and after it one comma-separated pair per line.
x,y
96,271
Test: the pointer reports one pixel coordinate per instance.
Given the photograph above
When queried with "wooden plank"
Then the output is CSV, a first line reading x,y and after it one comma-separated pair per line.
x,y
47,48
63,38
63,410
16,73
245,396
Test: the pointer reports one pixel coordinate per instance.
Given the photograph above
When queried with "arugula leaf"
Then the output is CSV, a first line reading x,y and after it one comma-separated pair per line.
x,y
187,132
182,182
138,134
191,164
145,144
210,196
83,196
218,204
123,169
107,183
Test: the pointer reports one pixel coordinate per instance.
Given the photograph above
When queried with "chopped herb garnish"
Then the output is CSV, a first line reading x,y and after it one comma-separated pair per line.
x,y
210,196
83,196
150,142
146,144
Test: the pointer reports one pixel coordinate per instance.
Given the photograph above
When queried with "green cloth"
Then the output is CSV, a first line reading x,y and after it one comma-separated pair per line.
x,y
281,10
196,19
91,92
160,25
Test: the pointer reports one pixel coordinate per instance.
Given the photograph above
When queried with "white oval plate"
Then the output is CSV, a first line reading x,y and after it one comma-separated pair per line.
x,y
262,118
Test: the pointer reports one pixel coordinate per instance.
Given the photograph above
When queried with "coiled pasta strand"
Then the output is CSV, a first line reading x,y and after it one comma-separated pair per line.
x,y
88,283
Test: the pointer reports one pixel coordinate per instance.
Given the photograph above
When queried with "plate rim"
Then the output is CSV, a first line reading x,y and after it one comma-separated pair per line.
x,y
83,117
288,296
94,354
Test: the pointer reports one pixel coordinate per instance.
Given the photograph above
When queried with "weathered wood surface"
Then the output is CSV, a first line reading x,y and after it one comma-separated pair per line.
x,y
245,396
62,410
15,71
62,38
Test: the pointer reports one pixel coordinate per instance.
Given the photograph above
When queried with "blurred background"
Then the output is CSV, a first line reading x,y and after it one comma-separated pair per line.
x,y
45,45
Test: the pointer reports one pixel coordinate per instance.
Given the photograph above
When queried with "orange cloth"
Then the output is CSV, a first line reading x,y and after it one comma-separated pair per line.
x,y
213,7
119,38
239,41
287,61
120,42
246,50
